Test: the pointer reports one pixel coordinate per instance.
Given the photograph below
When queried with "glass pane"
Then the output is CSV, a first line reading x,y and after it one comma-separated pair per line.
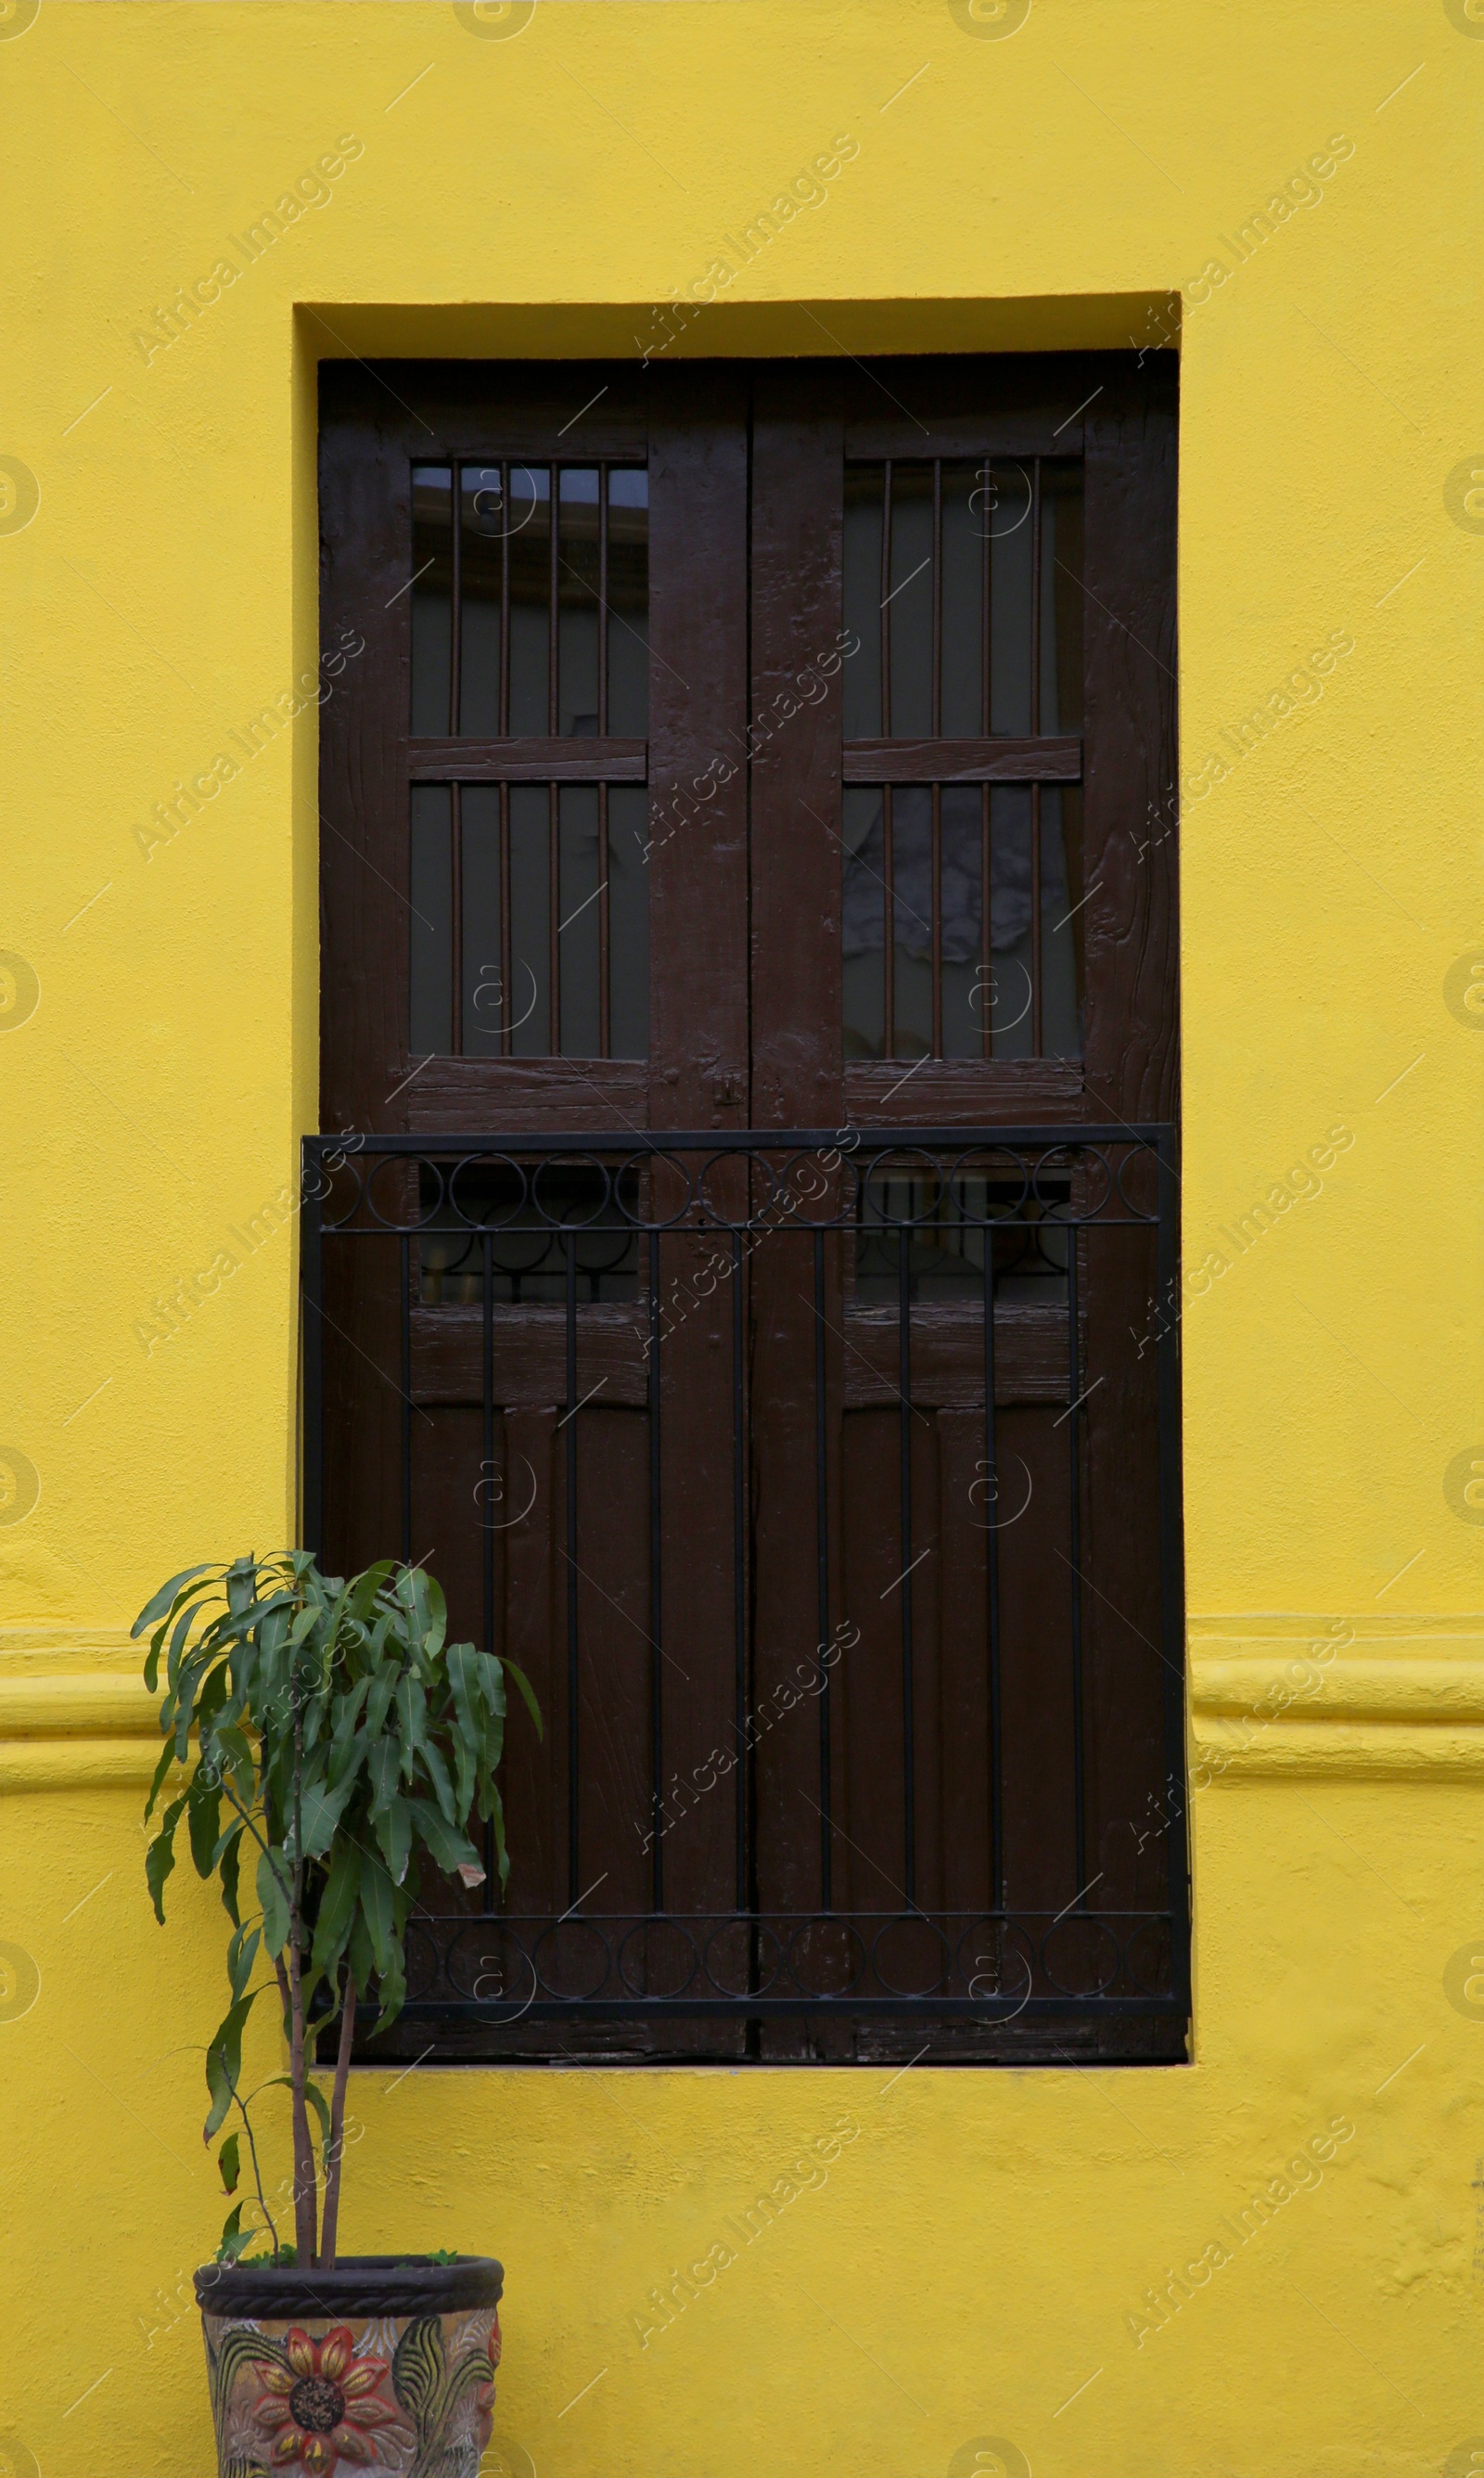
x,y
628,604
1005,514
432,598
577,602
1061,920
910,602
628,922
482,527
1009,919
523,1210
961,901
483,986
863,924
911,885
963,604
862,600
530,920
530,600
430,893
1061,597
579,922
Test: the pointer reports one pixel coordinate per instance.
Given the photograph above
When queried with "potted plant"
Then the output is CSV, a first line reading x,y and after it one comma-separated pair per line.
x,y
328,1748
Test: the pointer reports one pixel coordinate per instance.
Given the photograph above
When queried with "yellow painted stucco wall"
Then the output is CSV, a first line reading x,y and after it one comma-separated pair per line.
x,y
975,2264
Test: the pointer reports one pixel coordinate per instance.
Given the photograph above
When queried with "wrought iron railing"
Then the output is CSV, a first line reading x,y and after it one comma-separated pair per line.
x,y
742,1378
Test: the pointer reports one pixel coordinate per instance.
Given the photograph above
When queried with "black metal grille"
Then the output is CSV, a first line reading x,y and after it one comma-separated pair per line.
x,y
928,1254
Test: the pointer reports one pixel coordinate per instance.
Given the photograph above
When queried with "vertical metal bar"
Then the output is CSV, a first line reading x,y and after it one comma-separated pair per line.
x,y
889,942
936,867
1035,597
602,601
1171,1584
507,993
1037,1012
1074,1427
456,805
904,1386
312,1291
569,1408
405,1246
486,1391
986,926
739,1564
456,633
823,1580
1038,1030
885,600
554,919
656,1678
937,724
504,714
604,970
986,673
492,1877
553,609
992,1574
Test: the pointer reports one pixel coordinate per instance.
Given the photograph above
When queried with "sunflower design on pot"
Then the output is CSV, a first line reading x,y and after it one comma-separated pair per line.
x,y
321,2406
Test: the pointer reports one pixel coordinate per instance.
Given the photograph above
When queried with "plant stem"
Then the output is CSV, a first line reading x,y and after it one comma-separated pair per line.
x,y
304,2182
328,2230
257,2171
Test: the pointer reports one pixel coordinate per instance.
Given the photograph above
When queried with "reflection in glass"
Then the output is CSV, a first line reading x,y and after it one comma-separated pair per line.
x,y
628,602
432,598
483,996
530,601
430,894
578,579
482,525
628,922
530,920
580,922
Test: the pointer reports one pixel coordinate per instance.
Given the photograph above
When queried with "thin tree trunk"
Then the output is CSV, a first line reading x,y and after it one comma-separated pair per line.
x,y
305,2183
329,2228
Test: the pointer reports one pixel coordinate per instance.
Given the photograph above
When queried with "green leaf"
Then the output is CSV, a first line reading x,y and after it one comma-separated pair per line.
x,y
450,1849
395,1834
166,1759
412,1713
321,1813
242,1954
163,1597
203,1819
383,1765
338,1906
516,1671
160,1858
274,1900
376,1910
230,1861
234,2237
227,2163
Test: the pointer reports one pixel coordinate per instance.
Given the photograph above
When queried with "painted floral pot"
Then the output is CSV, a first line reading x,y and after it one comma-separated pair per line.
x,y
385,2363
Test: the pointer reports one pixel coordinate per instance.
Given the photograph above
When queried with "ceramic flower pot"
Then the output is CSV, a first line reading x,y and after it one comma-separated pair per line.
x,y
386,2362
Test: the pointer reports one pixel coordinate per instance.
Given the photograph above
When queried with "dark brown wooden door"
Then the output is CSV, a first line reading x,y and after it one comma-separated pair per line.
x,y
775,749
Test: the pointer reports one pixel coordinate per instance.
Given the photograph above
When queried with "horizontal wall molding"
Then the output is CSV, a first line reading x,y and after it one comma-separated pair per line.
x,y
1363,1697
74,1713
1269,1696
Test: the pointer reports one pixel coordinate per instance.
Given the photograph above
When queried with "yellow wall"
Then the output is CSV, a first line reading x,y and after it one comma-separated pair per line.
x,y
971,2263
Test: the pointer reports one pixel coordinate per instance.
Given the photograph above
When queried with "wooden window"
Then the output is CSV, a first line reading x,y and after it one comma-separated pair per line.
x,y
749,1005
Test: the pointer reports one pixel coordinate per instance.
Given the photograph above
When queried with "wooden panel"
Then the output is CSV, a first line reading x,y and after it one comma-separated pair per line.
x,y
948,1359
527,761
530,1356
484,1097
964,761
964,1093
